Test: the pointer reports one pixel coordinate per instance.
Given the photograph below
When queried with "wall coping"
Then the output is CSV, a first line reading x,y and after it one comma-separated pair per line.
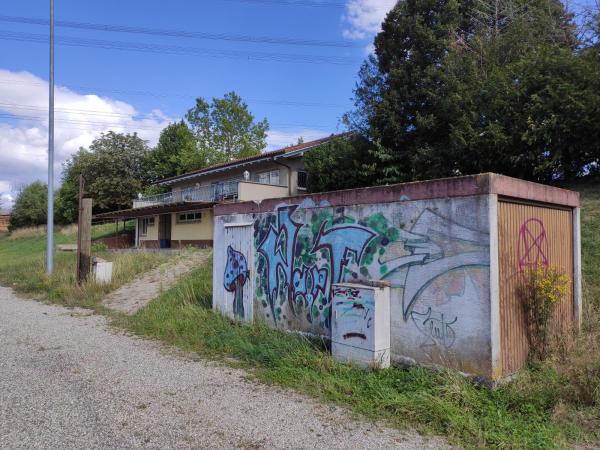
x,y
471,185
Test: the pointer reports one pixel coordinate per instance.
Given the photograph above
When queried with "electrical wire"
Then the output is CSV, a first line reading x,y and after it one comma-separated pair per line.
x,y
179,33
175,50
293,103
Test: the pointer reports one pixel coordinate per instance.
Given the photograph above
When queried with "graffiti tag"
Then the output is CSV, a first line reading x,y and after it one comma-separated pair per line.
x,y
236,275
532,249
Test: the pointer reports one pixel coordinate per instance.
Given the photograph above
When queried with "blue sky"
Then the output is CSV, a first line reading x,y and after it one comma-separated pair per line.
x,y
142,91
101,89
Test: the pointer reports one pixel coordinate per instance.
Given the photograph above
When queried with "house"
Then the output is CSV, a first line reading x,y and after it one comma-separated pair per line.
x,y
184,216
4,222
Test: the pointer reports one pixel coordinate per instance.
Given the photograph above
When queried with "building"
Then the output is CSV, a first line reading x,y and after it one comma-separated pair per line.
x,y
4,222
184,216
452,252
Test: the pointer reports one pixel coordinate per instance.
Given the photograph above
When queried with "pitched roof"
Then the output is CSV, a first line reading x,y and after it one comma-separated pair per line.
x,y
250,159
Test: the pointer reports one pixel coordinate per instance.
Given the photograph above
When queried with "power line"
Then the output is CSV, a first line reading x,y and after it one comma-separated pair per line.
x,y
311,4
294,103
176,50
180,33
305,3
133,126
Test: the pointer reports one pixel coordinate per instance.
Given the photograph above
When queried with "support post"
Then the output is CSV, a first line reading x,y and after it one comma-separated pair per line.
x,y
50,212
84,255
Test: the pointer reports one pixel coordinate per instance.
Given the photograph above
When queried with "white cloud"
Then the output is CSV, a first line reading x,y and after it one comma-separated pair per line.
x,y
78,120
278,139
364,17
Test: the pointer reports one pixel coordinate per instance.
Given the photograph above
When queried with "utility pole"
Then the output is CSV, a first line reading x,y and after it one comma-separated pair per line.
x,y
50,227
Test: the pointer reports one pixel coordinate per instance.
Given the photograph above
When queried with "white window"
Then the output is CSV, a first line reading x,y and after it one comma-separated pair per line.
x,y
189,217
145,222
302,180
271,177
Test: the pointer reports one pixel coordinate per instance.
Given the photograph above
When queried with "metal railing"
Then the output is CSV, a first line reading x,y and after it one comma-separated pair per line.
x,y
217,192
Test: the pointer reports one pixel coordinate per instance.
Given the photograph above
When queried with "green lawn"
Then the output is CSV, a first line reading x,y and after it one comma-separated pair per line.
x,y
23,267
553,405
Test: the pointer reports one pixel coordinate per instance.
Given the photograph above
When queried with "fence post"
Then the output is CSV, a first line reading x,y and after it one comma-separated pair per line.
x,y
84,253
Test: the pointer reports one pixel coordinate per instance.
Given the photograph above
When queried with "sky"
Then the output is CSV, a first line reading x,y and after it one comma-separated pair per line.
x,y
137,65
294,64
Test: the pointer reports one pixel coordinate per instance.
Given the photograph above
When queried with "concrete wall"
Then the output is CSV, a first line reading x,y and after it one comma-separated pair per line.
x,y
199,231
152,234
435,254
258,192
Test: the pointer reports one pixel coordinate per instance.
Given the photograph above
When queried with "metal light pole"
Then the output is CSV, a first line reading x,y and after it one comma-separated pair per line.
x,y
50,233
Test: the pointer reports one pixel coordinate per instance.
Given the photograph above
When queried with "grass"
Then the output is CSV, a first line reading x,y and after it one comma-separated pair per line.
x,y
23,263
519,415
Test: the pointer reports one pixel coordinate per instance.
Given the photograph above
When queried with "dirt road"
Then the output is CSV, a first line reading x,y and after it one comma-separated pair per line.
x,y
67,380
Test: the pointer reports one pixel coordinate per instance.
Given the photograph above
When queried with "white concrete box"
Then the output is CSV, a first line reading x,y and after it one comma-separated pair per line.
x,y
102,271
360,330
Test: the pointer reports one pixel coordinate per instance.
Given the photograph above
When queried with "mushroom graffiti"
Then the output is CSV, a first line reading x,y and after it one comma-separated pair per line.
x,y
236,275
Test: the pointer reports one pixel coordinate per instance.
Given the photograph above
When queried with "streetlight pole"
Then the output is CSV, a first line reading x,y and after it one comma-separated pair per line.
x,y
50,227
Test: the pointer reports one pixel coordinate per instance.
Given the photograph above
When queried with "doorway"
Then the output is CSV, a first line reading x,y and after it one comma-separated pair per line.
x,y
164,231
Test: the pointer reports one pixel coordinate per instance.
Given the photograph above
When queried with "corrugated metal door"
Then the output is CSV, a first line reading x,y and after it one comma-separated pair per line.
x,y
530,235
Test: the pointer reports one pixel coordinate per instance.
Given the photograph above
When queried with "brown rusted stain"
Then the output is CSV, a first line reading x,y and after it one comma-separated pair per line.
x,y
528,234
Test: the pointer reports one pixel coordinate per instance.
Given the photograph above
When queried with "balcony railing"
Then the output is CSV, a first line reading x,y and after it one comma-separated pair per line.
x,y
214,193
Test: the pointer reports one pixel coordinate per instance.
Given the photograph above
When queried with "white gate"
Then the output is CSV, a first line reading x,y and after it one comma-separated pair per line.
x,y
233,283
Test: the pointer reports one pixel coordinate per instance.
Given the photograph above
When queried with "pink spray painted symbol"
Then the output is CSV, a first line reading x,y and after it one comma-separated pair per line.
x,y
532,249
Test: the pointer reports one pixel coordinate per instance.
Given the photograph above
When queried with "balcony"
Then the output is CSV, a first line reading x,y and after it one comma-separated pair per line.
x,y
215,193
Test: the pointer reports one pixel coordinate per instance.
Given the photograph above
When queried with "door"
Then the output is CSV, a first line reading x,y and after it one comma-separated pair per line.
x,y
164,231
235,267
530,235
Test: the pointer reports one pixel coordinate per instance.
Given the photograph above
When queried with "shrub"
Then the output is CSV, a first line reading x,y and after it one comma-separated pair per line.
x,y
541,290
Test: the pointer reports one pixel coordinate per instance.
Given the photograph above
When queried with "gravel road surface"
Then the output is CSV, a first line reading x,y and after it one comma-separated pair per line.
x,y
69,381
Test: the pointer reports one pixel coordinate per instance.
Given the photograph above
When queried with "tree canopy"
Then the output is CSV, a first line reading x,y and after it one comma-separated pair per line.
x,y
459,87
224,129
116,167
30,208
166,158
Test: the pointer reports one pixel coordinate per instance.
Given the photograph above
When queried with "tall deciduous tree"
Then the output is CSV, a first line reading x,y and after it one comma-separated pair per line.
x,y
224,129
116,167
458,87
30,208
165,159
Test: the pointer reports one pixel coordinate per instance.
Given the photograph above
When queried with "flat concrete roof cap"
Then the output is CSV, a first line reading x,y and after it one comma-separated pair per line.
x,y
482,184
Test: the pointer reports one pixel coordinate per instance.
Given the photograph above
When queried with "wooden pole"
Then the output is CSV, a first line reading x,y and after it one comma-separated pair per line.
x,y
79,210
85,236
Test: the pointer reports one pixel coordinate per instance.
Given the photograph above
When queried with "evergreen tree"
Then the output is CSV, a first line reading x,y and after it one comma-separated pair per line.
x,y
458,87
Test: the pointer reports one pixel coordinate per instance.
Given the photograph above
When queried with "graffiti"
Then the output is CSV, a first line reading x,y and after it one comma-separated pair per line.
x,y
302,253
307,287
435,328
354,313
532,249
236,274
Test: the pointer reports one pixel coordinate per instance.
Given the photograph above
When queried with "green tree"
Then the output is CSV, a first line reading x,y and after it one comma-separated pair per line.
x,y
458,87
115,168
341,163
224,129
30,208
175,140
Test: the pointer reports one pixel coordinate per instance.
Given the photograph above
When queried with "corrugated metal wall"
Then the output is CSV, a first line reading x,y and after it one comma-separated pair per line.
x,y
529,235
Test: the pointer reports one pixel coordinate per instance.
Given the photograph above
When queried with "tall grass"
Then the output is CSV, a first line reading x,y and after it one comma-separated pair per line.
x,y
23,263
519,415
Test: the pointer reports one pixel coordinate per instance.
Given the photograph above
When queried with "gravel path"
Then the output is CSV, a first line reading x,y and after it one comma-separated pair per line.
x,y
132,297
67,380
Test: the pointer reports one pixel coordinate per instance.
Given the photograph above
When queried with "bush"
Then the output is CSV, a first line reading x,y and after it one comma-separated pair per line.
x,y
30,207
